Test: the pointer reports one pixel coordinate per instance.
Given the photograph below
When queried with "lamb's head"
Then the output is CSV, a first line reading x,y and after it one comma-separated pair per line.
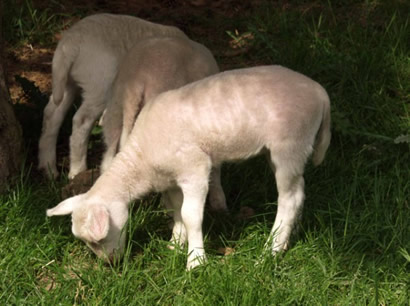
x,y
99,225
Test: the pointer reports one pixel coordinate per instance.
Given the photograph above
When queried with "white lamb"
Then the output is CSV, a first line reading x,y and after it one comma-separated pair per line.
x,y
86,59
185,132
152,66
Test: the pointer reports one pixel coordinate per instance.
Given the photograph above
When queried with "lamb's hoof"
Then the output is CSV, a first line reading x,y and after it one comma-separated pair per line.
x,y
176,245
245,213
218,206
198,261
50,172
217,202
74,171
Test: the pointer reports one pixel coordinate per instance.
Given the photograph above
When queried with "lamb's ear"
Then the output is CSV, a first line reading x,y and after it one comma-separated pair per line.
x,y
98,222
64,208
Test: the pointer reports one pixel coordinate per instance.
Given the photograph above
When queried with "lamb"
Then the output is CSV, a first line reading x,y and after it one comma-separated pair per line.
x,y
183,133
87,59
152,66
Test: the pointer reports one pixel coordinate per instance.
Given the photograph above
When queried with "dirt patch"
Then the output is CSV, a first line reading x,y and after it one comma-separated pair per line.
x,y
81,183
32,63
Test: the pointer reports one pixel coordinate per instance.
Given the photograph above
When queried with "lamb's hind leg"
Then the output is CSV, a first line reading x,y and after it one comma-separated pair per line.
x,y
216,195
83,121
52,119
290,185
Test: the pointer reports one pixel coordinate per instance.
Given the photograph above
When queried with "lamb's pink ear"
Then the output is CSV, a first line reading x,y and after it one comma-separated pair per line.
x,y
64,208
98,222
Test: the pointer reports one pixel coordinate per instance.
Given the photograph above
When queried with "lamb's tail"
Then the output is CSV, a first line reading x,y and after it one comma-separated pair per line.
x,y
323,135
64,57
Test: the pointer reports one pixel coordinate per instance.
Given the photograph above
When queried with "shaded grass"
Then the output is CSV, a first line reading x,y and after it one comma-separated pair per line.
x,y
354,240
24,23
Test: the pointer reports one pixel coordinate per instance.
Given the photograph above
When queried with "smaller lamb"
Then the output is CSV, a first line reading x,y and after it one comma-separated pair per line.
x,y
183,133
152,66
86,60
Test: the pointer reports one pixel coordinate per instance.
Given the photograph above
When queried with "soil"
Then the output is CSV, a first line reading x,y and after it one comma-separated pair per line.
x,y
80,184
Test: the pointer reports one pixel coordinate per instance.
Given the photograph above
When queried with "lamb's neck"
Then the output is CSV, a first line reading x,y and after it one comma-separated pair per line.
x,y
126,179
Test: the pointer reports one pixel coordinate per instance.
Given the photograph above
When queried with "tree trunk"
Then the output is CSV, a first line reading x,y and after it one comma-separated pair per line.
x,y
10,130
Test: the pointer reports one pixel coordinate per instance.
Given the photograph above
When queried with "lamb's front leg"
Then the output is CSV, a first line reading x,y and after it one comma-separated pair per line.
x,y
192,210
132,105
112,134
83,121
172,200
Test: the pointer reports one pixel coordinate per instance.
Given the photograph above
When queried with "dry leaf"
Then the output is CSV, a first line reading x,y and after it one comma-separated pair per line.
x,y
226,251
245,213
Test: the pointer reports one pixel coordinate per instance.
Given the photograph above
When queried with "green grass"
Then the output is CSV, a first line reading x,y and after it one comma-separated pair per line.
x,y
353,247
25,24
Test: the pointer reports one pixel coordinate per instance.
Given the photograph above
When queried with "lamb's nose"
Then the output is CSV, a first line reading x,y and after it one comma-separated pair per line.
x,y
114,256
111,257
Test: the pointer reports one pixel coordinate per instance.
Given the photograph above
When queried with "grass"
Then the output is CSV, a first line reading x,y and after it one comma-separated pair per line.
x,y
353,246
24,24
